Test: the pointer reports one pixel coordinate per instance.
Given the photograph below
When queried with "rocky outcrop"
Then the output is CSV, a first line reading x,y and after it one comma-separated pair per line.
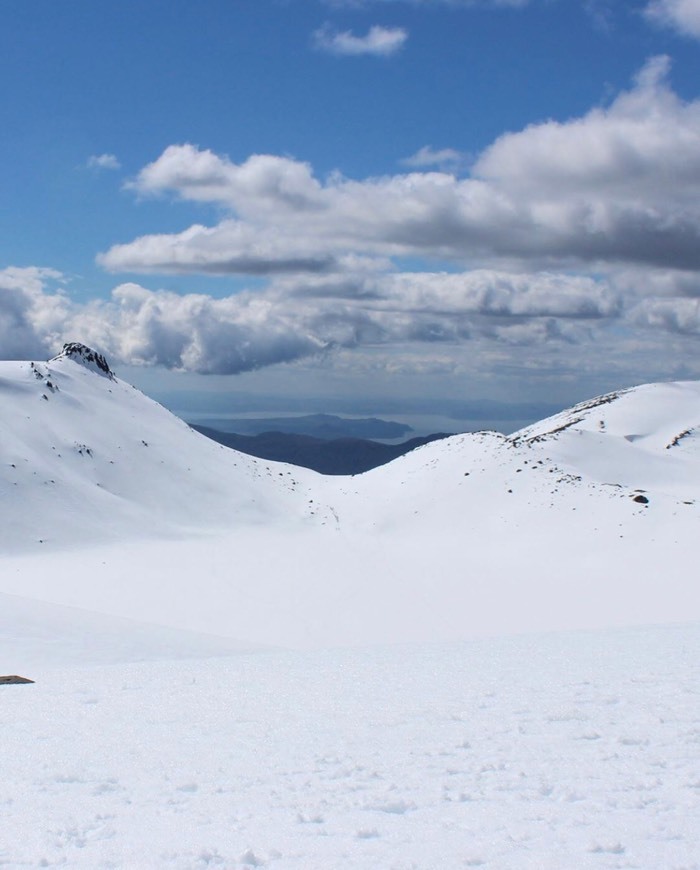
x,y
85,356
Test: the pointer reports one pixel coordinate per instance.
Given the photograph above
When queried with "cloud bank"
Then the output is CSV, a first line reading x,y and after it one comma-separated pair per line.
x,y
294,319
297,318
565,237
618,186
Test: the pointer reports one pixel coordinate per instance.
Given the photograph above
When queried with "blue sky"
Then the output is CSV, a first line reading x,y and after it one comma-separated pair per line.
x,y
428,200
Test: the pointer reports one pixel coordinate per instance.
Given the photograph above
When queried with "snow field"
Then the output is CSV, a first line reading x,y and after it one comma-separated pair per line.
x,y
549,751
305,590
111,504
142,565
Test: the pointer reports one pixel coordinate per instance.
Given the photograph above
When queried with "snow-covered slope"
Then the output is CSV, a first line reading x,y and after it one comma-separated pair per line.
x,y
647,437
528,753
635,445
84,457
128,544
111,504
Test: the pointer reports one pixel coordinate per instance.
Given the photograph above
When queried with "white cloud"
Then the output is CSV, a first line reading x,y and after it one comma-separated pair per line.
x,y
30,318
617,186
103,161
647,137
567,236
673,315
428,156
230,247
533,331
297,318
682,15
658,282
500,294
262,185
378,41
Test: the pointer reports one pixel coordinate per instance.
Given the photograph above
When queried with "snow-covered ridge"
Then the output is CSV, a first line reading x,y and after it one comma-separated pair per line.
x,y
126,537
661,415
644,437
588,518
85,457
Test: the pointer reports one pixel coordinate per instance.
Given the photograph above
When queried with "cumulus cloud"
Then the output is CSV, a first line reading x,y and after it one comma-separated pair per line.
x,y
682,15
647,137
429,156
562,234
103,161
261,185
296,318
663,283
141,327
378,41
30,318
673,315
484,323
201,334
229,248
501,295
616,187
618,184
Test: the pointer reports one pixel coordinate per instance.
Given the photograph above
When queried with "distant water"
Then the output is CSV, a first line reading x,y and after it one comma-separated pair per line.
x,y
421,424
427,424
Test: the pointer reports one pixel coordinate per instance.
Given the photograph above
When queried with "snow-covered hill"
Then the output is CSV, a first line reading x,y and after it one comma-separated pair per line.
x,y
111,504
130,544
635,446
84,458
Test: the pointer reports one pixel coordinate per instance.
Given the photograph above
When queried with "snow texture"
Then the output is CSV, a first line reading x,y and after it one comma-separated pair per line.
x,y
553,751
239,663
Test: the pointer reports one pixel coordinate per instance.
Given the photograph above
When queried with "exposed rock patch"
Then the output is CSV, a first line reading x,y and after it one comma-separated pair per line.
x,y
85,356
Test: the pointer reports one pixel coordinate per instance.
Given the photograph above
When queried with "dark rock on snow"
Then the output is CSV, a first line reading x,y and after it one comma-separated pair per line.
x,y
87,356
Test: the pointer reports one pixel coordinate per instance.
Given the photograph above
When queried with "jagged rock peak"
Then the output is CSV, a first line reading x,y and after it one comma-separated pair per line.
x,y
86,356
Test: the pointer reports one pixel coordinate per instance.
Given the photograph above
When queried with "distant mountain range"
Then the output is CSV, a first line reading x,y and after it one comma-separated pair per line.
x,y
212,408
325,426
325,455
